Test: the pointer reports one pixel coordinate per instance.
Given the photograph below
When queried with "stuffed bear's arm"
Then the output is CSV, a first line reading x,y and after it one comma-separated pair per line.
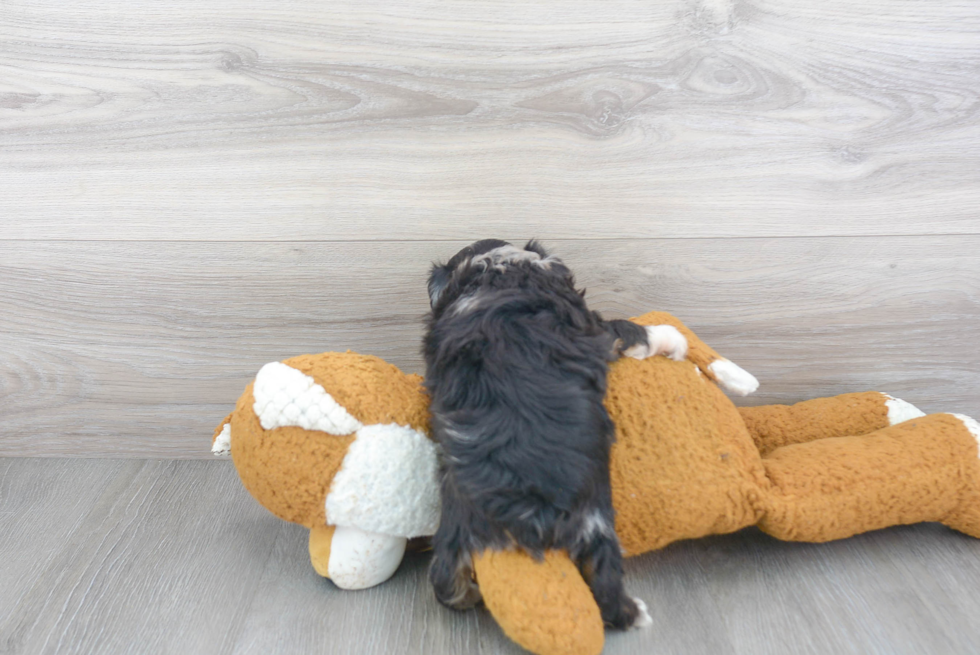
x,y
730,376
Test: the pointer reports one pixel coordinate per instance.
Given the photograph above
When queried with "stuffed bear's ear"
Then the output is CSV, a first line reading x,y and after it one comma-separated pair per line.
x,y
438,281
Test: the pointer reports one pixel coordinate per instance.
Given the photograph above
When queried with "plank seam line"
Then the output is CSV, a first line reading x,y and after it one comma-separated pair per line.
x,y
549,239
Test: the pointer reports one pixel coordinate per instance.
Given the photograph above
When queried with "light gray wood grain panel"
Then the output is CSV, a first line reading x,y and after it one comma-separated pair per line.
x,y
139,349
117,557
219,120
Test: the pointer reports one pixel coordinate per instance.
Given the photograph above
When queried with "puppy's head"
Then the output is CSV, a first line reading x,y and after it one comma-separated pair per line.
x,y
480,257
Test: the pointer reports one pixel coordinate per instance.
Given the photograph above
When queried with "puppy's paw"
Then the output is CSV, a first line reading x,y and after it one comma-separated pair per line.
x,y
626,613
661,340
642,619
733,378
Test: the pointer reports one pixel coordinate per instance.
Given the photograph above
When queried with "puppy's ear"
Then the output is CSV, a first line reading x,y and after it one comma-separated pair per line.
x,y
535,246
438,281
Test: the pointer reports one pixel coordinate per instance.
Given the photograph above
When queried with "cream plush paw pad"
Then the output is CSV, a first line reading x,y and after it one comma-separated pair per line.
x,y
971,425
733,378
360,559
900,411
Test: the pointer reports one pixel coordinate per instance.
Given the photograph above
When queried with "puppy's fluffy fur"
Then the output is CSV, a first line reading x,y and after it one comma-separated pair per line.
x,y
516,368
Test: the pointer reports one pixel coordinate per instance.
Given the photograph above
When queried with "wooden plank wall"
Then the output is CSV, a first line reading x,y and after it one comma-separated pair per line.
x,y
191,189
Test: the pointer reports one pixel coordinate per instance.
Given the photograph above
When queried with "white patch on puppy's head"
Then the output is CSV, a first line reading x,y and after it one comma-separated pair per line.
x,y
465,304
500,258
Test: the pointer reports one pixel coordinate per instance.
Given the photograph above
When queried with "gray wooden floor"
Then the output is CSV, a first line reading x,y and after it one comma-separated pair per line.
x,y
154,556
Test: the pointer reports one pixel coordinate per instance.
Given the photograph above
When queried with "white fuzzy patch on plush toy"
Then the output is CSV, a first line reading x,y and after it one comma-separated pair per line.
x,y
388,483
285,397
900,411
361,559
971,425
733,378
222,444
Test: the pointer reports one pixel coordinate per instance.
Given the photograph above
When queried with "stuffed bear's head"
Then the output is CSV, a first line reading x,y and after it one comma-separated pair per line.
x,y
338,439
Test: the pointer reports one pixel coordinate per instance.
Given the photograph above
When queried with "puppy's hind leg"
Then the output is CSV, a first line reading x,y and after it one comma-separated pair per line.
x,y
601,562
451,575
451,571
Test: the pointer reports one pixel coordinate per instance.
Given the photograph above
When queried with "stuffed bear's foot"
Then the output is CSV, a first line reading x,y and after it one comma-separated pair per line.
x,y
900,411
922,469
966,517
355,558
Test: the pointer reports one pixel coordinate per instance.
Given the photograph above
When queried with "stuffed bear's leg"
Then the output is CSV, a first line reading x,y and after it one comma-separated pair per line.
x,y
852,414
354,558
924,469
966,517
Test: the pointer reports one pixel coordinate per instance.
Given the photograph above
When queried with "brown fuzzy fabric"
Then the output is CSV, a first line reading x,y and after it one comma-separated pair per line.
x,y
683,465
288,470
919,470
544,606
852,414
371,389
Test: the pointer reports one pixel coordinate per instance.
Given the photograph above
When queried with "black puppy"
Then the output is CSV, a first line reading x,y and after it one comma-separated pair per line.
x,y
516,367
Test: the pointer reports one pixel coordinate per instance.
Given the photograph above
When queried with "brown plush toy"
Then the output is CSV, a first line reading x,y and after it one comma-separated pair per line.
x,y
686,463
